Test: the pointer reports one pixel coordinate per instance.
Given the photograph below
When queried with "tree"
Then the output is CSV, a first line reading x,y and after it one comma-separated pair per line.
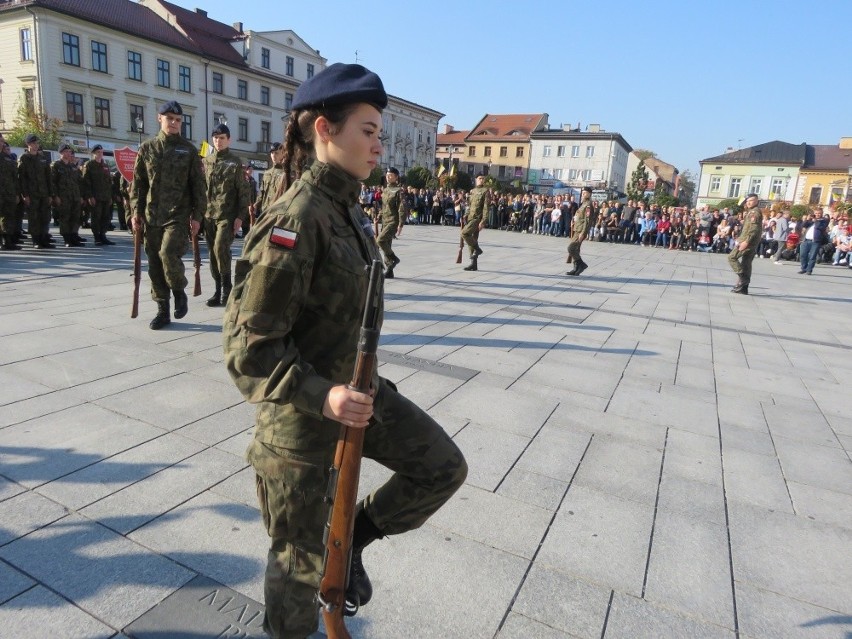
x,y
730,203
464,181
28,120
638,180
687,188
665,199
418,177
375,178
644,154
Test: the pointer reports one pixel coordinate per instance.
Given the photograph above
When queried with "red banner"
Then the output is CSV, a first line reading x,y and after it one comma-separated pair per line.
x,y
125,160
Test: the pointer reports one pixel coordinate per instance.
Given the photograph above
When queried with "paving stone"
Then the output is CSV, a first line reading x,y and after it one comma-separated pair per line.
x,y
634,618
621,468
555,374
220,426
576,418
579,609
12,583
826,506
239,487
671,406
555,452
238,444
696,499
815,465
520,627
766,615
531,488
756,479
25,513
693,456
743,412
428,389
17,388
9,489
490,454
40,614
47,342
105,574
749,440
799,425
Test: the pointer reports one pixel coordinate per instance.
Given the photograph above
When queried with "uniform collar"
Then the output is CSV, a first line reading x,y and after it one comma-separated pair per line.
x,y
334,182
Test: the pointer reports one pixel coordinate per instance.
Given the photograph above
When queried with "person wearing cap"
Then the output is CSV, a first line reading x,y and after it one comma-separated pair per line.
x,y
745,248
97,189
290,333
579,228
167,196
9,198
393,218
34,178
475,221
66,183
227,208
270,185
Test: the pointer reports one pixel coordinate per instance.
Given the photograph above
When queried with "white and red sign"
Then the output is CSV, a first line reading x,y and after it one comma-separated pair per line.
x,y
125,160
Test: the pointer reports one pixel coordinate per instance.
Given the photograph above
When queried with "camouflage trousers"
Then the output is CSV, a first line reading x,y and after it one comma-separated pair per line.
x,y
428,468
385,241
38,216
470,233
101,217
69,216
219,235
7,215
740,262
164,246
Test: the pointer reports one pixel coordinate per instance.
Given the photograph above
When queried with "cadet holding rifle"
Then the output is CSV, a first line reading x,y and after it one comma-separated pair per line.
x,y
291,333
167,196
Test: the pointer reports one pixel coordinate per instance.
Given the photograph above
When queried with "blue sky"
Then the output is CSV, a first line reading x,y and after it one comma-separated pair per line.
x,y
685,79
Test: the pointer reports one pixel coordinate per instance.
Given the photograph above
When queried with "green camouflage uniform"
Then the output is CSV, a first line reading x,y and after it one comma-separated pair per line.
x,y
167,190
740,260
97,183
66,182
392,219
579,230
290,333
272,179
9,190
120,195
34,178
475,215
227,199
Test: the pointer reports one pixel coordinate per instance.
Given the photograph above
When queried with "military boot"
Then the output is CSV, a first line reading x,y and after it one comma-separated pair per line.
x,y
106,241
216,298
226,288
472,265
181,304
162,318
581,266
8,244
478,251
359,590
741,287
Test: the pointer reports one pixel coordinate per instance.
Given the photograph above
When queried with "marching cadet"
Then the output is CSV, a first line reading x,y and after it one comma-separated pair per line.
x,y
741,257
475,220
270,186
228,197
67,198
97,185
167,196
393,218
34,178
579,229
9,198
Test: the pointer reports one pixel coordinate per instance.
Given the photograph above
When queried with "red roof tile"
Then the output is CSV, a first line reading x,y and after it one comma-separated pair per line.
x,y
499,128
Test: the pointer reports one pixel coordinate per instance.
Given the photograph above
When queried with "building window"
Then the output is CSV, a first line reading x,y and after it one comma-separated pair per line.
x,y
137,112
264,95
546,152
590,151
134,65
575,151
288,101
560,151
557,174
572,174
310,70
504,151
715,183
586,175
734,189
519,152
217,116
29,100
99,57
164,76
777,187
186,127
218,83
265,132
74,107
487,152
264,57
290,62
102,112
501,171
71,49
184,78
756,183
471,151
243,130
816,195
242,89
26,45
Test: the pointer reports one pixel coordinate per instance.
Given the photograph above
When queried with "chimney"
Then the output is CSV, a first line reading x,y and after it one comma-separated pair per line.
x,y
567,128
448,128
730,149
845,143
593,128
238,26
201,12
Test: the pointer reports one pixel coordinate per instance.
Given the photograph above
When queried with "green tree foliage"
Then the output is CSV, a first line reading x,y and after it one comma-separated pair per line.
x,y
375,178
638,180
730,203
34,121
644,154
687,188
798,211
664,199
464,181
418,177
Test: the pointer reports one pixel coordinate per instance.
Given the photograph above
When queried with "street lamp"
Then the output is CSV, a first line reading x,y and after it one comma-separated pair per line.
x,y
140,125
88,129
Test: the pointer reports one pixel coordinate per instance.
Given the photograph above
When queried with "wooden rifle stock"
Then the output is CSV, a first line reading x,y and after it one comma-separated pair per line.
x,y
343,485
196,260
137,270
461,245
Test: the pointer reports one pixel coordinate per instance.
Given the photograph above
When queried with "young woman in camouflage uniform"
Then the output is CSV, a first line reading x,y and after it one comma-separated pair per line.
x,y
290,336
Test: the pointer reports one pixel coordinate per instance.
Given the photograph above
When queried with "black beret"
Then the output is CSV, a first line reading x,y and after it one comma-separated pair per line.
x,y
97,147
32,137
393,170
587,189
170,107
341,84
221,129
65,147
275,146
752,195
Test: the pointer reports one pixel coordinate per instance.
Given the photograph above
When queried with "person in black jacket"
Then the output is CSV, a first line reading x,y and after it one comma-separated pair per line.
x,y
815,230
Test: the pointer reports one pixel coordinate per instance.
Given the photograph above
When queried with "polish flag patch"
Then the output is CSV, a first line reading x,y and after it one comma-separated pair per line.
x,y
283,237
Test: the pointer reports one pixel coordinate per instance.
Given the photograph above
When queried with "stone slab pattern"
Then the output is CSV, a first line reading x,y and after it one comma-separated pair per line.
x,y
617,426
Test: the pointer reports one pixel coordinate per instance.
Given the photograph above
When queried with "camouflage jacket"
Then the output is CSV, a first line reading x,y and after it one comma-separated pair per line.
x,y
392,205
227,189
34,174
292,323
272,179
582,219
97,181
168,185
9,186
65,180
752,228
478,204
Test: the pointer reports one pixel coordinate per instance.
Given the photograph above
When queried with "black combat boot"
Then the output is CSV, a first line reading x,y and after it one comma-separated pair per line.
x,y
81,240
581,266
162,318
741,287
99,240
181,304
216,298
8,244
478,251
359,590
226,288
472,265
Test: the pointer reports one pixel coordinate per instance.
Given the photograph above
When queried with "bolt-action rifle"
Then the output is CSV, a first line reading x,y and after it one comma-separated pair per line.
x,y
196,260
343,485
137,270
